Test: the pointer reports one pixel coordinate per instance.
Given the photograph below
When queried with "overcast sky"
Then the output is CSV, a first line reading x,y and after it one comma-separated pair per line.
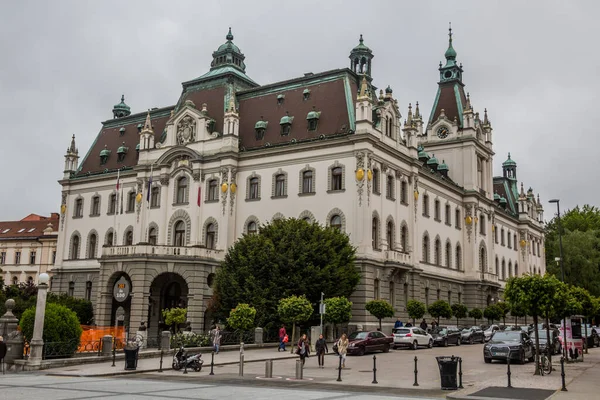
x,y
533,64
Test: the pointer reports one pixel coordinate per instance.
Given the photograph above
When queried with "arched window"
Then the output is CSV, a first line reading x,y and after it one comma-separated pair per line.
x,y
15,280
152,237
336,222
179,239
254,192
110,238
448,255
516,269
30,280
280,185
389,235
510,272
375,233
336,178
75,247
438,252
182,186
211,235
482,259
426,249
129,238
92,246
251,228
458,257
404,238
307,182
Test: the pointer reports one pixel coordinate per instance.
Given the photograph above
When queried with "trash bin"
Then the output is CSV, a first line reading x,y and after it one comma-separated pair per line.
x,y
131,356
448,367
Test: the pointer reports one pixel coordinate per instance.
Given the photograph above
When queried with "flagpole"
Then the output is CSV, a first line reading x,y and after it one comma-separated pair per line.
x,y
116,210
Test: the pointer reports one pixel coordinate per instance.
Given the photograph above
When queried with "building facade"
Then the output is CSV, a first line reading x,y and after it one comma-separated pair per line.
x,y
161,195
27,248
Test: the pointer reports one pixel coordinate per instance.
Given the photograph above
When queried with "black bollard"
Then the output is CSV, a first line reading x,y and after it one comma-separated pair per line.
x,y
114,351
562,374
161,361
508,370
374,369
339,379
185,366
212,363
416,372
460,385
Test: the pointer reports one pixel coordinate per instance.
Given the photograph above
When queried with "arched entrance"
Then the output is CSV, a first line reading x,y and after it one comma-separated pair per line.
x,y
120,288
168,290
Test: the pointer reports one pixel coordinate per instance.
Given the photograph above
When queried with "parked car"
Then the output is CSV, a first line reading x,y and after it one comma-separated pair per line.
x,y
472,335
487,334
523,328
412,337
555,347
445,335
367,342
502,345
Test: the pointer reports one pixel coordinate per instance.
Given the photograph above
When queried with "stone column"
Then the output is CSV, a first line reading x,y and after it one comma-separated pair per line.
x,y
37,343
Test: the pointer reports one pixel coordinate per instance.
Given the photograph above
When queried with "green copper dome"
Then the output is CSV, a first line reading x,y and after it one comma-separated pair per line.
x,y
105,152
121,110
137,147
422,153
286,120
443,166
388,89
509,162
313,115
261,125
497,197
432,161
122,105
503,200
122,149
360,47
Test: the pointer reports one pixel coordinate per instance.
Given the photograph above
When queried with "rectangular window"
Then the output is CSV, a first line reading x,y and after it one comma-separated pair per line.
x,y
376,181
78,208
307,182
437,211
155,197
71,291
404,192
254,190
457,219
53,256
448,215
495,234
508,242
88,291
336,178
3,258
389,187
112,204
280,185
426,206
32,257
502,237
17,257
131,202
213,190
96,205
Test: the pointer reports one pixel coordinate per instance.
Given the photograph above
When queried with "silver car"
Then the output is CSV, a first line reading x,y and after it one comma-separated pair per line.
x,y
411,337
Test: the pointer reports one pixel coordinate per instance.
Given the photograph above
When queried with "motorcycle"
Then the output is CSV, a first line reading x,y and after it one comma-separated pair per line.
x,y
182,359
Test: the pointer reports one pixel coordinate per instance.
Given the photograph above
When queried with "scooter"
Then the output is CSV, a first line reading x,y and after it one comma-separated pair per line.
x,y
181,359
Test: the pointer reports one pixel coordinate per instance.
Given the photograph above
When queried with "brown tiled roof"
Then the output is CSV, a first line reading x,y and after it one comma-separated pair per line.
x,y
214,100
28,227
447,102
327,97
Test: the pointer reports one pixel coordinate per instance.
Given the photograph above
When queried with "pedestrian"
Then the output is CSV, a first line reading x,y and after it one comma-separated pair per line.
x,y
408,325
342,345
423,325
303,349
216,339
321,347
434,324
3,350
282,336
398,324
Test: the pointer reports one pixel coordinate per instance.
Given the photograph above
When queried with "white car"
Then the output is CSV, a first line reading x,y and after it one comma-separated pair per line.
x,y
489,332
411,337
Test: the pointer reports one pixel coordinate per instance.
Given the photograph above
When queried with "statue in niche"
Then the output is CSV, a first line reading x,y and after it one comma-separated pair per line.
x,y
186,130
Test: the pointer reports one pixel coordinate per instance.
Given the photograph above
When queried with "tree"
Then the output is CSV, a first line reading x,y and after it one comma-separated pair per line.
x,y
174,317
286,257
61,328
440,308
242,318
517,311
338,310
476,314
416,309
504,308
380,309
294,309
492,312
83,308
459,310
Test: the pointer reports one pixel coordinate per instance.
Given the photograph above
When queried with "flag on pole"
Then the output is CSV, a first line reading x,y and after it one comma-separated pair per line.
x,y
149,185
121,200
199,194
116,210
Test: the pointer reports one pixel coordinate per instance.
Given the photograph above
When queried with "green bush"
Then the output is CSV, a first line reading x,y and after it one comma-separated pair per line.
x,y
189,340
60,325
83,308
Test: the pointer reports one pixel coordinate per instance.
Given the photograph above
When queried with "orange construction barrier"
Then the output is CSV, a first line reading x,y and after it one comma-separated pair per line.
x,y
91,337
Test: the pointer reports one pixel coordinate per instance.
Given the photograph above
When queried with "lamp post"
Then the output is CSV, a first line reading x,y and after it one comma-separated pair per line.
x,y
562,272
37,343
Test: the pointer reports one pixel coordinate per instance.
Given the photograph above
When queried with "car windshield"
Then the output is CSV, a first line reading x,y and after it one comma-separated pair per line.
x,y
402,331
466,330
510,336
441,331
358,335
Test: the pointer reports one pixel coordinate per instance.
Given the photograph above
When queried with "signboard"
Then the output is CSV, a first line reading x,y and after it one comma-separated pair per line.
x,y
322,308
121,290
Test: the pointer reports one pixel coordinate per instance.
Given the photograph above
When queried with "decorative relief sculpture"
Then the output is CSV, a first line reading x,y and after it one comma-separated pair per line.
x,y
360,175
369,180
186,130
224,187
232,190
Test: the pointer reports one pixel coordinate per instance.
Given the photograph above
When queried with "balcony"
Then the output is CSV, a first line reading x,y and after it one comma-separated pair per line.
x,y
397,256
148,250
489,277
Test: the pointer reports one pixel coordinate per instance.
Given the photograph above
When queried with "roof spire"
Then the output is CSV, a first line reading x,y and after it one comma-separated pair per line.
x,y
417,112
147,124
410,114
73,148
361,39
229,35
485,117
450,53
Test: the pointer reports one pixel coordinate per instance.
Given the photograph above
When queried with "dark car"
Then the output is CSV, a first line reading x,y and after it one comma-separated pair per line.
x,y
366,342
593,340
472,335
555,348
445,335
504,344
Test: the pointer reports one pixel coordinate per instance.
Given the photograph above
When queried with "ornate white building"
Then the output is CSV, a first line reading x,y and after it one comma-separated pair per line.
x,y
418,200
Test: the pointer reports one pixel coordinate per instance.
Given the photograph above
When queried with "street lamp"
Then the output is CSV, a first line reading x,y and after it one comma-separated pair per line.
x,y
562,272
37,343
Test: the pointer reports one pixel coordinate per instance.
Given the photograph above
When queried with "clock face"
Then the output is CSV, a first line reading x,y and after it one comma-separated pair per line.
x,y
443,132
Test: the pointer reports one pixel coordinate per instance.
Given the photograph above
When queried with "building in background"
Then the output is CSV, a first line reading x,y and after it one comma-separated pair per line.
x,y
27,248
151,209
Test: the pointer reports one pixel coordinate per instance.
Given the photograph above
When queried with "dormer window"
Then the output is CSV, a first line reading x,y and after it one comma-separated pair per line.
x,y
259,128
306,94
313,119
286,125
137,151
139,127
122,152
104,154
280,99
122,131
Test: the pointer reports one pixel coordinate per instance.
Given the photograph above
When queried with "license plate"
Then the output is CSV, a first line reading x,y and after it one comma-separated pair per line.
x,y
498,353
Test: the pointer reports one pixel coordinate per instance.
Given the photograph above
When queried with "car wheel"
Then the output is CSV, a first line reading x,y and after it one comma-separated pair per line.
x,y
487,360
458,342
522,357
386,348
445,342
596,341
471,340
430,344
415,345
395,347
361,351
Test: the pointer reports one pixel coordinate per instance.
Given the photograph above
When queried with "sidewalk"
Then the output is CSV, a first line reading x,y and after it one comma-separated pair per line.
x,y
153,364
585,386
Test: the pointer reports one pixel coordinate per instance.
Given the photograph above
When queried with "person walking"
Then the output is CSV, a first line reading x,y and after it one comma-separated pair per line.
x,y
303,348
282,335
321,347
216,339
342,345
3,350
423,325
398,324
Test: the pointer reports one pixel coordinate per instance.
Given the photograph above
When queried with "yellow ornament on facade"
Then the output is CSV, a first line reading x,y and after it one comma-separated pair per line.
x,y
224,187
233,188
523,243
138,198
416,195
63,208
469,220
369,175
360,174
